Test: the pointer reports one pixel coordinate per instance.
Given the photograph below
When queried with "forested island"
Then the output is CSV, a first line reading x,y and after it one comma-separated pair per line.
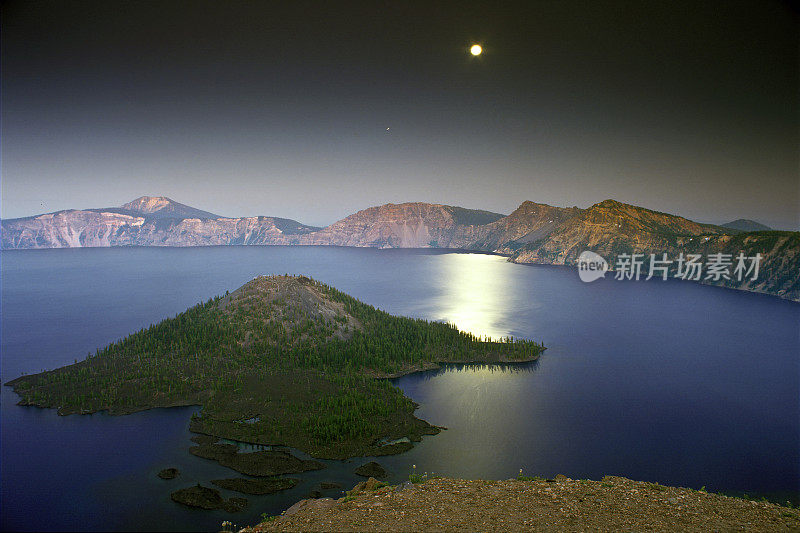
x,y
283,360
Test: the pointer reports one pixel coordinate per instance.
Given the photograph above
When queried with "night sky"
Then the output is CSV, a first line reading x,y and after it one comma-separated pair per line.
x,y
282,108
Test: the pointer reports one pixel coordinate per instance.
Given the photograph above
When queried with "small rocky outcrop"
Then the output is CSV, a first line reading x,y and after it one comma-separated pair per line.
x,y
371,469
169,473
370,484
207,498
256,486
262,463
310,504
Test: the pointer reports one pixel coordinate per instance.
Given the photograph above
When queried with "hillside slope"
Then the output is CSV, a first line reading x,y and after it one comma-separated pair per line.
x,y
163,207
409,225
533,233
529,222
612,228
745,224
146,221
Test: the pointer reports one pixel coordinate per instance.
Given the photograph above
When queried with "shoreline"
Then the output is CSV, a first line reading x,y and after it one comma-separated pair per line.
x,y
439,365
414,428
509,258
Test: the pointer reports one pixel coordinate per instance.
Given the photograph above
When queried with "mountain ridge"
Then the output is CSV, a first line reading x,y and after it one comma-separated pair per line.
x,y
145,221
163,207
533,233
745,224
406,225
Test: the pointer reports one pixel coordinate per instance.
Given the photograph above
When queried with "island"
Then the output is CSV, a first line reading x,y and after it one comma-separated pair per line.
x,y
207,498
256,486
283,360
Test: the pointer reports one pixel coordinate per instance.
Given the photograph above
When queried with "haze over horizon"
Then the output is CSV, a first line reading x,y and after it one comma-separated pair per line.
x,y
247,109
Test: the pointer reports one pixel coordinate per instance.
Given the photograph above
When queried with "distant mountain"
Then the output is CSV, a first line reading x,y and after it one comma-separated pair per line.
x,y
744,224
162,207
533,233
612,228
146,221
409,225
529,222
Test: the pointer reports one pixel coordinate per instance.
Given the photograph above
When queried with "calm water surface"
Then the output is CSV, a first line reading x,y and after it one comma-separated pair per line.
x,y
662,381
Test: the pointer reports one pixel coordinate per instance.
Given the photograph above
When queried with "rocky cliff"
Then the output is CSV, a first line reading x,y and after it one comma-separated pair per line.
x,y
422,225
529,222
612,228
409,225
533,233
609,228
147,221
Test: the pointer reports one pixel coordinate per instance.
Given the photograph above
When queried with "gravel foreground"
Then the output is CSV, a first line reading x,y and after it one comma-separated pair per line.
x,y
563,504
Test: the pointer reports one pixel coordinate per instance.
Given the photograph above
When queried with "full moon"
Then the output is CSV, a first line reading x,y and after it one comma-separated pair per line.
x,y
476,50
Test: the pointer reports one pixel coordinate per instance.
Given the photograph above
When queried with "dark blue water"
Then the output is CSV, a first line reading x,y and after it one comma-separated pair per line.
x,y
663,381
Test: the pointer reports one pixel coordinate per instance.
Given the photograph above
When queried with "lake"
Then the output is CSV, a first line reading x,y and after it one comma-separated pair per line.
x,y
670,382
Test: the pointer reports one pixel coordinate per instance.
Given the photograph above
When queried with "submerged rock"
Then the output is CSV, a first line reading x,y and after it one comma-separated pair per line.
x,y
256,486
214,451
394,449
371,469
169,473
207,498
262,463
327,485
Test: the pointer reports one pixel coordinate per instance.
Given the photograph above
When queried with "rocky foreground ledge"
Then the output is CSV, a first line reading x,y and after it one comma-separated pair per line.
x,y
563,504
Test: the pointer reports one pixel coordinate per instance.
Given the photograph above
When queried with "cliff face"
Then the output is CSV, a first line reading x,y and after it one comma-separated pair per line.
x,y
67,229
779,271
410,225
529,222
422,225
151,221
611,228
533,233
146,221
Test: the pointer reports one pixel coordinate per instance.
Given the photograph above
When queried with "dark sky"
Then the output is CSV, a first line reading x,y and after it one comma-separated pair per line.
x,y
281,108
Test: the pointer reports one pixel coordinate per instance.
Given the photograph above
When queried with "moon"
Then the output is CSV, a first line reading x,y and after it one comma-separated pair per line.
x,y
475,50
